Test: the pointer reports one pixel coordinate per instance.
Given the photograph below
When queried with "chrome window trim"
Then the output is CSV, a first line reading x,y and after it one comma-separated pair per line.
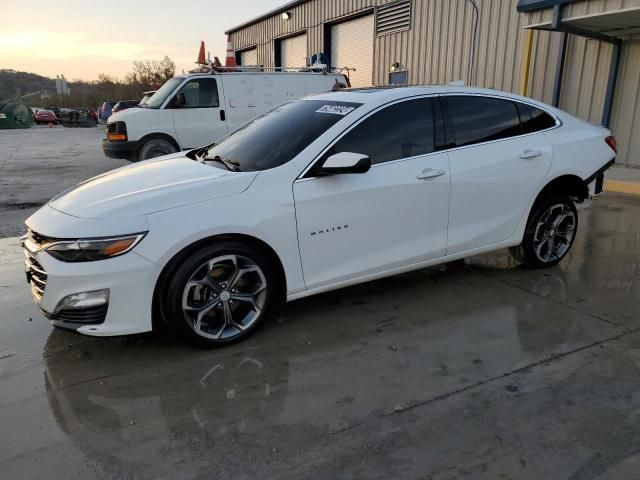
x,y
558,124
500,97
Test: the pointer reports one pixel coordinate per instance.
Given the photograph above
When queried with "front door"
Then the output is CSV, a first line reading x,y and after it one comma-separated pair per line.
x,y
197,115
396,214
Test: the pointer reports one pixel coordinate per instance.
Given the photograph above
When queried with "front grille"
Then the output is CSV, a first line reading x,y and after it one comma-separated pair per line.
x,y
92,315
39,239
36,274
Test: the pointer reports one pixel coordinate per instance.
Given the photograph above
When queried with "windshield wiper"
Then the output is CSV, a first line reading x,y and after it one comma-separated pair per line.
x,y
230,165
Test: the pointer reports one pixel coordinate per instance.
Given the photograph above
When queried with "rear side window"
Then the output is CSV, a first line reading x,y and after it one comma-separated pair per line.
x,y
482,119
533,119
400,131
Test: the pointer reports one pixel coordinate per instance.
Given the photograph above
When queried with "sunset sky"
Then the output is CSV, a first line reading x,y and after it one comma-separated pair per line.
x,y
82,38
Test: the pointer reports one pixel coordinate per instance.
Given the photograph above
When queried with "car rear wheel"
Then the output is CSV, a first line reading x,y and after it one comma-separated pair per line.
x,y
220,293
551,230
156,147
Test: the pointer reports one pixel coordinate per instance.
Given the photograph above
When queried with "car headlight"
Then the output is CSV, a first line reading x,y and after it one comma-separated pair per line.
x,y
93,249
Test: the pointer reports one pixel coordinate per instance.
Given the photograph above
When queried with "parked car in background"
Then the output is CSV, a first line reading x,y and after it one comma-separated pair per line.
x,y
46,116
197,109
123,105
146,96
56,111
321,193
104,111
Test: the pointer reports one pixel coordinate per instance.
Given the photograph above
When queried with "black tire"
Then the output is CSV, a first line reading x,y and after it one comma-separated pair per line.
x,y
156,147
172,294
540,225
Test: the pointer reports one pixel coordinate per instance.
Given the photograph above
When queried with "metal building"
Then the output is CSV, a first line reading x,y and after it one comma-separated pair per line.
x,y
558,51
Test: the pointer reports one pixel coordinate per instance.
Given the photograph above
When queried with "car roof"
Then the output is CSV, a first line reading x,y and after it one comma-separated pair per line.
x,y
381,95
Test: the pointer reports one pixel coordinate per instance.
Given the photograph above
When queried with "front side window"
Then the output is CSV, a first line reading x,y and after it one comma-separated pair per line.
x,y
158,98
277,137
533,119
402,130
482,119
199,93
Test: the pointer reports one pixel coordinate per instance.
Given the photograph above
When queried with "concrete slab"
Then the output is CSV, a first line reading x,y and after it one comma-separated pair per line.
x,y
38,163
483,370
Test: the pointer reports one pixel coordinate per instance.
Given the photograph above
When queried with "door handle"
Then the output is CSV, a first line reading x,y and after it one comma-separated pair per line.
x,y
528,154
223,116
428,173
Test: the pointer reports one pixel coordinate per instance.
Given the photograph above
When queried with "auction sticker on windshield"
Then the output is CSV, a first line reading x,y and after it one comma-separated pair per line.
x,y
335,109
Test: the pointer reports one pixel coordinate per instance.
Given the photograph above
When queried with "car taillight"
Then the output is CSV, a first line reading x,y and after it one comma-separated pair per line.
x,y
611,141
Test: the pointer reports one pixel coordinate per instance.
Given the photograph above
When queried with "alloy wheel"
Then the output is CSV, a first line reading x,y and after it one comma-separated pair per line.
x,y
554,233
224,297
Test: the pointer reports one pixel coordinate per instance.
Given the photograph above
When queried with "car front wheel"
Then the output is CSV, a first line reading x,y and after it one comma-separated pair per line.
x,y
221,293
550,232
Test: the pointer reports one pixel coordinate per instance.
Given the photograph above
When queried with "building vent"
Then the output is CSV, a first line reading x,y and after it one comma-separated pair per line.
x,y
393,17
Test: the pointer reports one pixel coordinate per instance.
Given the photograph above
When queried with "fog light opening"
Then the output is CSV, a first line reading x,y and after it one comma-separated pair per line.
x,y
96,298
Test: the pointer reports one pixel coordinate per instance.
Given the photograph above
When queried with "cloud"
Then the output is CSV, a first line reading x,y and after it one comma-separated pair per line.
x,y
62,46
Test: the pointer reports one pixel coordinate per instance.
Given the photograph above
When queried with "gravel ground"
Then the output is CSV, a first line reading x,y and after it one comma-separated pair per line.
x,y
37,163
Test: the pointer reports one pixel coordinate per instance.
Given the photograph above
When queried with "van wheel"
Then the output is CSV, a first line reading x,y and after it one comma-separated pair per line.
x,y
220,293
156,147
551,230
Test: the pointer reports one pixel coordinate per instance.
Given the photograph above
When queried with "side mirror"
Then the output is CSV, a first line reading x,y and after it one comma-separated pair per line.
x,y
344,162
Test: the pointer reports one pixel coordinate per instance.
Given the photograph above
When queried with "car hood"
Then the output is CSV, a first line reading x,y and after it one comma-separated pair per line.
x,y
151,186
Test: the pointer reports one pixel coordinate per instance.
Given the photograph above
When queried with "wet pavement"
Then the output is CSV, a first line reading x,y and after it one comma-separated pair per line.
x,y
38,163
480,370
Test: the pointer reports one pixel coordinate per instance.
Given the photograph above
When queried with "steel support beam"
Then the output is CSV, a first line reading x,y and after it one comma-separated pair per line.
x,y
611,84
557,83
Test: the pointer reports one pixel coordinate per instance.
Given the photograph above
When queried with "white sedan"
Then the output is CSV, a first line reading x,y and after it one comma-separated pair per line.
x,y
321,193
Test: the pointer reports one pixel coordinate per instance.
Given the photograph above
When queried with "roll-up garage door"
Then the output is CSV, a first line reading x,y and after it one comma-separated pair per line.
x,y
352,46
293,51
249,57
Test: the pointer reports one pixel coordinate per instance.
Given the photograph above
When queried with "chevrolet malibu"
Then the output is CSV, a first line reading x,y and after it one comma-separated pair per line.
x,y
321,193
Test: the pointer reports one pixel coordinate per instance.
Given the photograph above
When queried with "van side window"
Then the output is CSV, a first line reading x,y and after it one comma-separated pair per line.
x,y
478,119
200,93
402,130
533,119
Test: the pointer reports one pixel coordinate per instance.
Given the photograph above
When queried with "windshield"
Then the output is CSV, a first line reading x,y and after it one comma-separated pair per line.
x,y
278,136
158,98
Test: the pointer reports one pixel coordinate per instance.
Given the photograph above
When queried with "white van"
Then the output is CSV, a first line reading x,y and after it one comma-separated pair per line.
x,y
193,110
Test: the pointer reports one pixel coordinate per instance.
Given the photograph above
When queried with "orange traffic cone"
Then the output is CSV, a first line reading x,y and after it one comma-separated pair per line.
x,y
202,60
230,62
50,125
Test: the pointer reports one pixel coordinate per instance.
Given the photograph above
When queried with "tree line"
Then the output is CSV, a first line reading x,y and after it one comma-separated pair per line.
x,y
145,75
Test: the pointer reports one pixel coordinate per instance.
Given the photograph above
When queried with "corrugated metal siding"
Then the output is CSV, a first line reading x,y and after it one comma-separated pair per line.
x,y
585,78
436,50
626,108
596,6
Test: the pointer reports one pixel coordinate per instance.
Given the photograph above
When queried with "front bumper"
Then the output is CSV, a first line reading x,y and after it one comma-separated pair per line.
x,y
121,150
129,278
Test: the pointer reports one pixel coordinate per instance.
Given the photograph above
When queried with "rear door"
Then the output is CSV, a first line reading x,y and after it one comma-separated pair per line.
x,y
201,120
393,215
496,168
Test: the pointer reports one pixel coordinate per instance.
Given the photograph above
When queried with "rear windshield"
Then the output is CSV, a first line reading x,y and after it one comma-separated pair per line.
x,y
278,136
